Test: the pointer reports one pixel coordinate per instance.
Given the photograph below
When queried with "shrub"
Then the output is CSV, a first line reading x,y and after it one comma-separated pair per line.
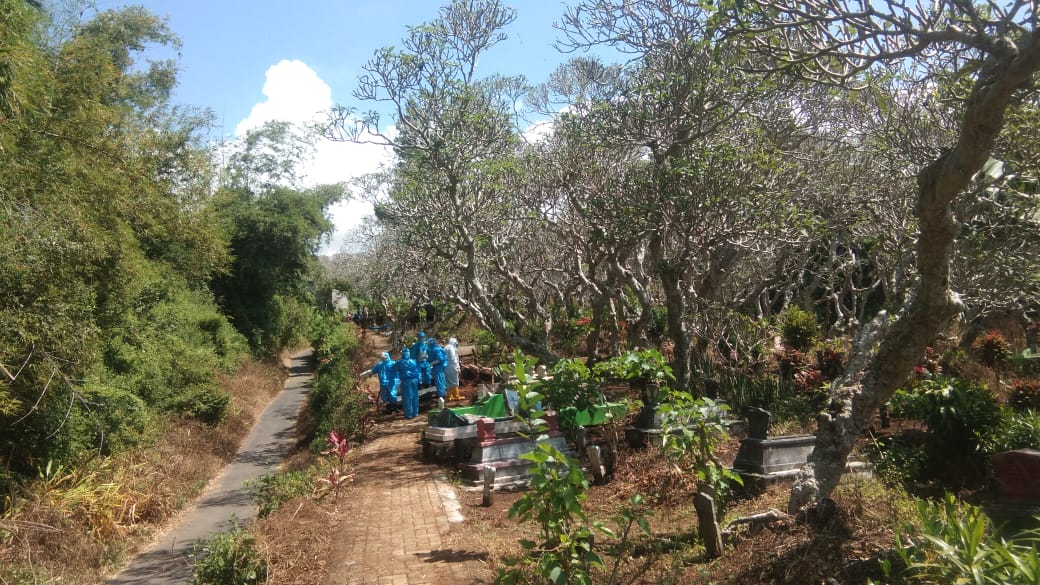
x,y
572,384
554,499
205,403
693,429
230,558
1016,430
335,401
956,544
1025,394
118,419
272,490
993,350
641,367
957,413
799,329
830,362
898,461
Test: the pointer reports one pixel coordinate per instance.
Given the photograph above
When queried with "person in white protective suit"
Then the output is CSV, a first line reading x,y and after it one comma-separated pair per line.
x,y
451,371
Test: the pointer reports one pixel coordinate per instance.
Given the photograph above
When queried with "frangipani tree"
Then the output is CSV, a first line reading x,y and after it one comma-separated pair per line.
x,y
993,50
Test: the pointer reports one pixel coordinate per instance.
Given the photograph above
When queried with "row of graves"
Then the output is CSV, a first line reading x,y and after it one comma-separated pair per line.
x,y
494,432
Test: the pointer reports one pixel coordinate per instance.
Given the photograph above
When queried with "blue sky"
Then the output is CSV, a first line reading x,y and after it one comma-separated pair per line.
x,y
274,59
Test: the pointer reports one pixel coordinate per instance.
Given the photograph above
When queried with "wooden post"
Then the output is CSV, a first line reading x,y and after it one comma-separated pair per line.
x,y
489,485
579,438
595,463
708,525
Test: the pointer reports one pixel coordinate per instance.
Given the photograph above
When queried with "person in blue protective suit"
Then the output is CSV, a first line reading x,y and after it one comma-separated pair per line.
x,y
408,373
438,361
419,352
388,382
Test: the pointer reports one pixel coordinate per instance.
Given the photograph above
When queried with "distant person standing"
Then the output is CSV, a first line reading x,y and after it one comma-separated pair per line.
x,y
408,372
422,358
451,372
438,361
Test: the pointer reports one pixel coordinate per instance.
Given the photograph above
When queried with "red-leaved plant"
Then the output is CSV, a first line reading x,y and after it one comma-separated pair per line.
x,y
337,476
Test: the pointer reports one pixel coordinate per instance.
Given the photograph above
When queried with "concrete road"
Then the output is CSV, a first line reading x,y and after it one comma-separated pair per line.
x,y
168,561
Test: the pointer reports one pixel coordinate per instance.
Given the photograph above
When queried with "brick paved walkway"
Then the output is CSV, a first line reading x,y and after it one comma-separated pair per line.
x,y
401,511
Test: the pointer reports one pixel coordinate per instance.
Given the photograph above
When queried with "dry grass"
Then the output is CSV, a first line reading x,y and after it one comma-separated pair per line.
x,y
81,520
297,539
785,552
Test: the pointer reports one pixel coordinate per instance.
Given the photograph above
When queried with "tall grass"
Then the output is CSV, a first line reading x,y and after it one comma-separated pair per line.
x,y
76,521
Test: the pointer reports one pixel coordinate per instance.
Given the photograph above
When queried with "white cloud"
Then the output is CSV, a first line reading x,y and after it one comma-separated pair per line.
x,y
294,93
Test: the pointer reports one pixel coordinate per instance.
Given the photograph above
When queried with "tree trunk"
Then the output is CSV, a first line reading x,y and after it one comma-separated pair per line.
x,y
872,376
675,306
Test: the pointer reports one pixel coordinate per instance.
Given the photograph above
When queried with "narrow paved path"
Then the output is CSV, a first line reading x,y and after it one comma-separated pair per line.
x,y
401,510
168,560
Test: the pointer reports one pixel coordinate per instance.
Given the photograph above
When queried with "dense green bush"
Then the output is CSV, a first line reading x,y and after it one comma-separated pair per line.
x,y
1016,430
272,490
171,352
956,413
572,384
230,558
335,401
117,420
799,329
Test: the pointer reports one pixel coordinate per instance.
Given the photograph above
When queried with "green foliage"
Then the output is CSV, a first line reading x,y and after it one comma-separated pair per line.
x,y
554,500
898,461
1016,430
955,411
692,429
956,544
799,329
171,350
119,419
272,490
230,558
482,338
572,384
647,365
335,401
274,231
635,513
519,377
107,241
